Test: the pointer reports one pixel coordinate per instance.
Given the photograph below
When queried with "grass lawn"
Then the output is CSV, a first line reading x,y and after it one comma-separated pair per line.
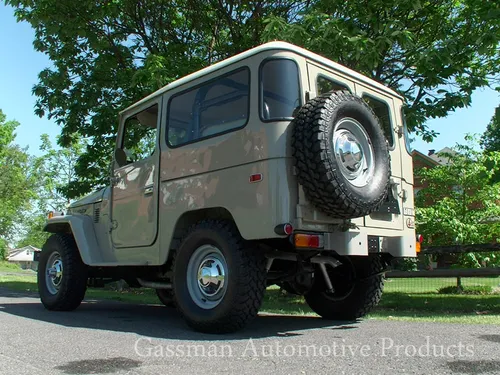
x,y
431,285
420,305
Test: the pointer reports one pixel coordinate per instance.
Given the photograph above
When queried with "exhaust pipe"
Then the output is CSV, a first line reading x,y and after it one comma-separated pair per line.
x,y
154,284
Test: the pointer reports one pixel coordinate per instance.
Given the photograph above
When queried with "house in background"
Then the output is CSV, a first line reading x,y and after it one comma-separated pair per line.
x,y
24,257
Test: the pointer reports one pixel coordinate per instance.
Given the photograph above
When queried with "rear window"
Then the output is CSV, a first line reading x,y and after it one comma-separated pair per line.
x,y
280,89
324,85
383,113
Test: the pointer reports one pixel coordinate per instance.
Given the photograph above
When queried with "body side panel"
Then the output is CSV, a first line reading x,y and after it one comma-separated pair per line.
x,y
256,207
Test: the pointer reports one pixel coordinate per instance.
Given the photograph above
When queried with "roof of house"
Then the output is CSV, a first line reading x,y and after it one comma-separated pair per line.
x,y
21,254
425,158
435,158
440,158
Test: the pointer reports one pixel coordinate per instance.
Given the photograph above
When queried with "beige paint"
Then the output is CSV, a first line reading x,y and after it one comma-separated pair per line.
x,y
214,173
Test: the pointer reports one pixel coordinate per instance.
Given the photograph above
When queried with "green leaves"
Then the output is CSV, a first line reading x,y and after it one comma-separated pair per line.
x,y
107,55
459,203
490,140
17,179
434,53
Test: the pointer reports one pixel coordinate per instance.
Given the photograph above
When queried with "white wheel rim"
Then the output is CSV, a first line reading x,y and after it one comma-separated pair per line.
x,y
207,276
54,273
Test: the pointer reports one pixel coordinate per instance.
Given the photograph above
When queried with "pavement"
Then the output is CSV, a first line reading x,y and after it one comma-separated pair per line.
x,y
105,337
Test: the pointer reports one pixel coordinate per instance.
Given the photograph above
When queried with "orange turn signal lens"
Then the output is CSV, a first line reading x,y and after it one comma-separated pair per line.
x,y
308,240
51,214
417,246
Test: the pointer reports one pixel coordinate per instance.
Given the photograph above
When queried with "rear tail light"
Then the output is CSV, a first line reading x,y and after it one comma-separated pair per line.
x,y
314,241
418,244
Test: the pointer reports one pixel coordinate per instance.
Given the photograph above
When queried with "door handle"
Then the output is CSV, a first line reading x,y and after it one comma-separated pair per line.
x,y
148,190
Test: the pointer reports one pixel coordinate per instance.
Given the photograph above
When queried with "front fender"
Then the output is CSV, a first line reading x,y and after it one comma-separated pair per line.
x,y
82,228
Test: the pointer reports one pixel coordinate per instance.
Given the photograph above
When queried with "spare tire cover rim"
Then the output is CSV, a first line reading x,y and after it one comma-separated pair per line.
x,y
353,151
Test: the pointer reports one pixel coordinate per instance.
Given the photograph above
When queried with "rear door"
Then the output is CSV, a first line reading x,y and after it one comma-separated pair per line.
x,y
390,214
323,80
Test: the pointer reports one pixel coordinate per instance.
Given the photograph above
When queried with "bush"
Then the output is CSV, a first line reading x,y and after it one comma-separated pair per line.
x,y
10,266
405,264
468,290
3,249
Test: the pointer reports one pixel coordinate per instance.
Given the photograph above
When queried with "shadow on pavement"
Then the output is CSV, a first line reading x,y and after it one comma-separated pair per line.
x,y
475,367
158,321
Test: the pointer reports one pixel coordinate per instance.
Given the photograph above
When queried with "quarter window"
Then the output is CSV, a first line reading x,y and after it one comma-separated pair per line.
x,y
383,113
214,108
280,89
324,85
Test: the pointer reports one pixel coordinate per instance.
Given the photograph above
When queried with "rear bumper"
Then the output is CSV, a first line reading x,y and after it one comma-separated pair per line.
x,y
364,241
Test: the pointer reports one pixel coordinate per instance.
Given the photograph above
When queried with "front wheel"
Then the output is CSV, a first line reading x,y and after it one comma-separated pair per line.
x,y
357,288
219,279
62,276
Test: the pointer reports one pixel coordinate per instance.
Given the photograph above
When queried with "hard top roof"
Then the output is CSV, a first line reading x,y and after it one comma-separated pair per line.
x,y
278,46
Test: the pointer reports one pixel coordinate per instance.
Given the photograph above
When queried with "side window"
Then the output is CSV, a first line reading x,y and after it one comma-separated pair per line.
x,y
139,141
213,108
383,113
280,89
324,84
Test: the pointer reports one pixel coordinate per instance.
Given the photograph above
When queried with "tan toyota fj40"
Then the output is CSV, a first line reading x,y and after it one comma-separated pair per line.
x,y
275,166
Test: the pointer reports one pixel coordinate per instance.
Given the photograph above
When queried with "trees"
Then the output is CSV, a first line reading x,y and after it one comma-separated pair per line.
x,y
33,233
17,179
490,140
109,54
56,169
460,203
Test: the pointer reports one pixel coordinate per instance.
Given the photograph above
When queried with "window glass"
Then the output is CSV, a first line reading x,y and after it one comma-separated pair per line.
x,y
139,141
324,85
214,108
280,89
383,113
407,138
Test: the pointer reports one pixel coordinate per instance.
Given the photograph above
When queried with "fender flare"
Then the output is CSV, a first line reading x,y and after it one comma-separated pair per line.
x,y
82,228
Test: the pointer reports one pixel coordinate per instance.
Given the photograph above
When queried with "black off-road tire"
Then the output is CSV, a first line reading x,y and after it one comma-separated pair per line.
x,y
74,278
317,169
358,291
246,278
166,297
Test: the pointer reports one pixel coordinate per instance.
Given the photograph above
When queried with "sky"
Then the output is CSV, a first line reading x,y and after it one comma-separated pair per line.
x,y
20,65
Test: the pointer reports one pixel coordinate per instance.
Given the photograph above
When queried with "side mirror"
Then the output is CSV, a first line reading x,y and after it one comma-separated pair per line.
x,y
120,157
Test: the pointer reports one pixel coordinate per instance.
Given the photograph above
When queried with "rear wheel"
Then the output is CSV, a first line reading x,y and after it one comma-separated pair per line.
x,y
357,285
219,279
62,276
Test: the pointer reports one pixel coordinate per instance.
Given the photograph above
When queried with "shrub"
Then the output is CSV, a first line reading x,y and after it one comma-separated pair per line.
x,y
470,290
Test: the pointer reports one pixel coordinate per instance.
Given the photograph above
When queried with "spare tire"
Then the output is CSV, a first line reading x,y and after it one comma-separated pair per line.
x,y
341,155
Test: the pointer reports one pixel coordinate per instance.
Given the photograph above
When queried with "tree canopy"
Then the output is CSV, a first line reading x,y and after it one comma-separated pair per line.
x,y
17,179
106,55
490,140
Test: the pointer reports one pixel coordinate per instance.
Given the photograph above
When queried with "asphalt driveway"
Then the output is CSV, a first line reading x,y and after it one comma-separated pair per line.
x,y
104,337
